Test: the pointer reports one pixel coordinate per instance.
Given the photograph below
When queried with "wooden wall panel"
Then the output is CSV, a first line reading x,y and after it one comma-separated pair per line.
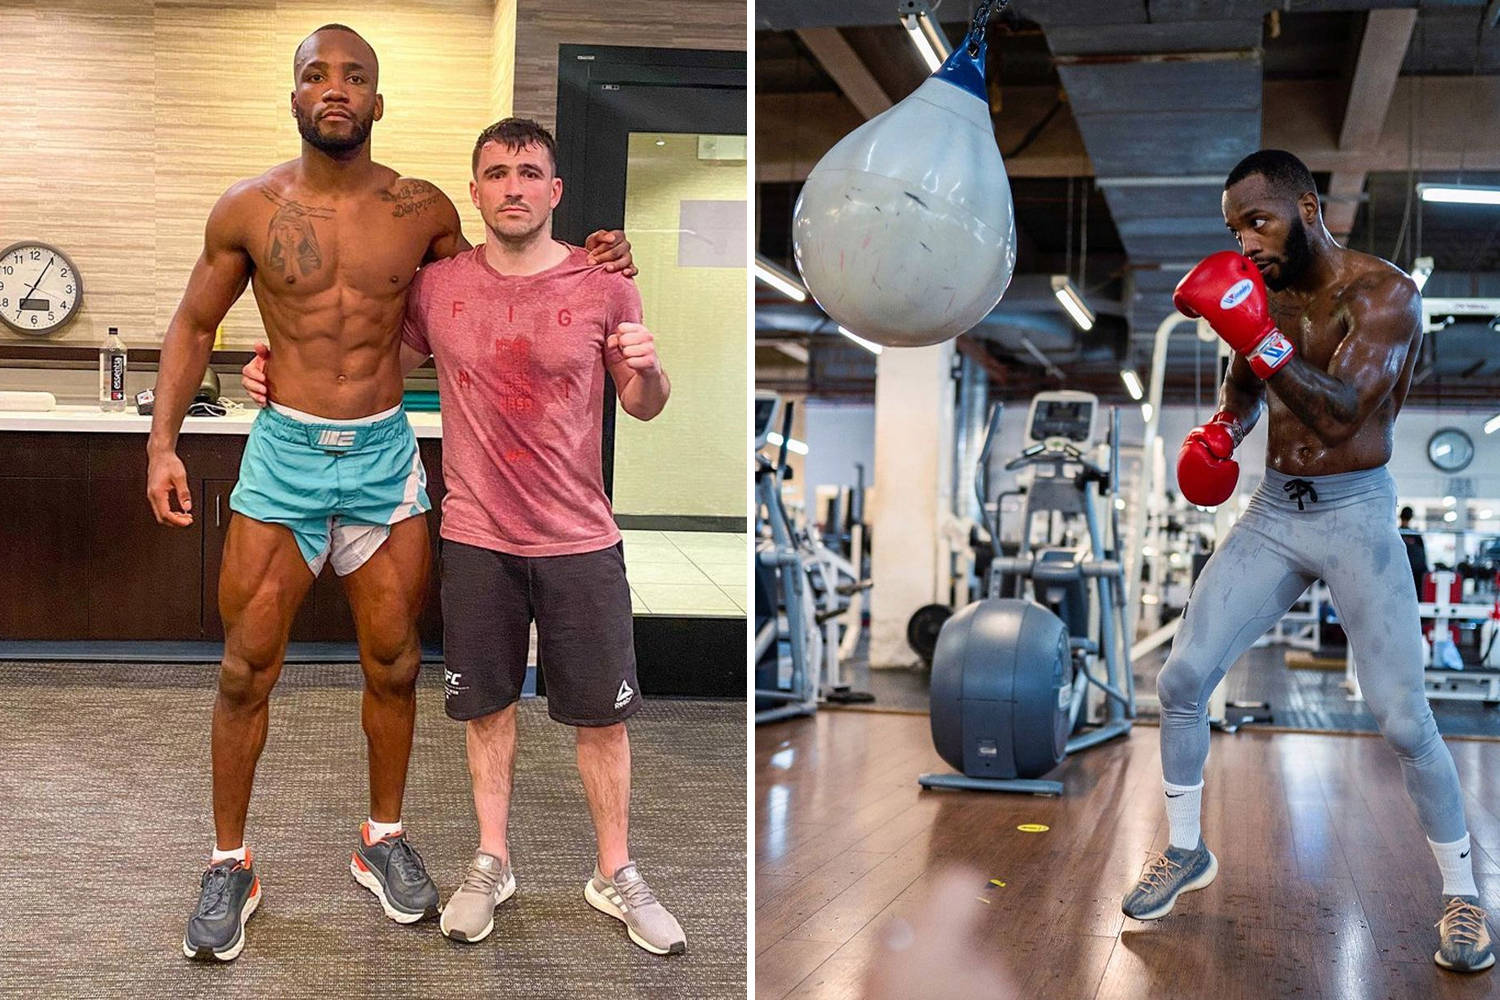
x,y
19,201
142,112
543,25
90,155
218,120
503,61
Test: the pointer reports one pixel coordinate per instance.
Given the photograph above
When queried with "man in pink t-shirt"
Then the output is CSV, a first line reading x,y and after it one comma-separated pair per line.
x,y
523,330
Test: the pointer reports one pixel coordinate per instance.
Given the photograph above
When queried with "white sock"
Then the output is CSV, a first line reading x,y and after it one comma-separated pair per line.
x,y
1457,867
237,854
379,831
1184,806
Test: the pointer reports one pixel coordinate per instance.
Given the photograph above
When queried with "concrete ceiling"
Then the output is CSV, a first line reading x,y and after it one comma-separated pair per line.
x,y
1138,108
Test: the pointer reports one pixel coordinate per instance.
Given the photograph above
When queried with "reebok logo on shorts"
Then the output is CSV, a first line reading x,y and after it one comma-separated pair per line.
x,y
623,698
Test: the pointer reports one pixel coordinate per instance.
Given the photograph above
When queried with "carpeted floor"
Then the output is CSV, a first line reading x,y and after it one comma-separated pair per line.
x,y
105,825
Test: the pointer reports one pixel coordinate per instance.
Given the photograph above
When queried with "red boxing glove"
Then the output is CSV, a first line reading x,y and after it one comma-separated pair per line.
x,y
1227,290
1206,474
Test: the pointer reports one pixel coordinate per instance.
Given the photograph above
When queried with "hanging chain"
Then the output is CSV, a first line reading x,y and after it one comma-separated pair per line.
x,y
983,12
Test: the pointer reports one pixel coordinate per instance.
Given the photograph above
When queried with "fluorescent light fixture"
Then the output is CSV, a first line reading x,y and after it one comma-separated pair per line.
x,y
1459,194
1451,516
1486,514
1132,383
1421,270
1449,501
1119,503
793,445
1072,302
1146,412
925,34
868,345
779,279
1492,425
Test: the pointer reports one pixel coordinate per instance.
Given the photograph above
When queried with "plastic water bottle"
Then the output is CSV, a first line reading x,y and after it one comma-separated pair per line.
x,y
112,373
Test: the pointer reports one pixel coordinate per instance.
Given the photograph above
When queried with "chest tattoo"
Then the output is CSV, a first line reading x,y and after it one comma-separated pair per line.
x,y
291,241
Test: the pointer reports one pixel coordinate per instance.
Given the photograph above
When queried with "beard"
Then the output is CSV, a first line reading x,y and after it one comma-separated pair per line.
x,y
334,145
1295,256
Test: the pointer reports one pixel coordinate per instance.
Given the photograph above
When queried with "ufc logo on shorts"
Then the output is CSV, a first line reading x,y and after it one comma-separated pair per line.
x,y
335,439
451,685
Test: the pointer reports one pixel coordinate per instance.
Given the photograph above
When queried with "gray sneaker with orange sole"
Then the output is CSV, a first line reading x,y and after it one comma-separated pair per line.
x,y
392,870
228,893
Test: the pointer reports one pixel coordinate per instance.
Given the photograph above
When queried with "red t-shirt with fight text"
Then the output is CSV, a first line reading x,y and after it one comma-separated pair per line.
x,y
520,362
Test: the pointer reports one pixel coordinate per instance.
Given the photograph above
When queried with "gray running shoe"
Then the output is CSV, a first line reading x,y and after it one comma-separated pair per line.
x,y
394,872
228,893
470,912
1167,876
628,898
1465,938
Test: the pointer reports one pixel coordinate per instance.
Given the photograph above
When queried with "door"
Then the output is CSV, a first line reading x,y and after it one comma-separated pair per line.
x,y
653,141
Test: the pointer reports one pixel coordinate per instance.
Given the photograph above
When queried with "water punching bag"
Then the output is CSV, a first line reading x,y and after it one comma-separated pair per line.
x,y
904,232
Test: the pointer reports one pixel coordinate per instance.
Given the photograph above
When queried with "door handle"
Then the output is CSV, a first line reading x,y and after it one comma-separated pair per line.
x,y
217,498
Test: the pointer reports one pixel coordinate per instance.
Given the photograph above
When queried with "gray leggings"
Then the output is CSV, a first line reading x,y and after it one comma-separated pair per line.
x,y
1285,541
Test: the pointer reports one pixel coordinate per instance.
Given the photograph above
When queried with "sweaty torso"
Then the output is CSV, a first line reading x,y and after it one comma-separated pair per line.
x,y
1317,324
330,274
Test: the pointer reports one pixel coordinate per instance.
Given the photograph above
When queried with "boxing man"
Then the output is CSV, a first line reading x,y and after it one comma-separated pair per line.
x,y
329,243
1325,339
523,330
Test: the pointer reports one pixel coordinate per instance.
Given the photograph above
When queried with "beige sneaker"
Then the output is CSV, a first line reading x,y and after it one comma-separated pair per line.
x,y
1465,940
628,898
470,913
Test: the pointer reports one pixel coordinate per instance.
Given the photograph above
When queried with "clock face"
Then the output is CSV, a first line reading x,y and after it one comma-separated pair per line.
x,y
40,289
1450,449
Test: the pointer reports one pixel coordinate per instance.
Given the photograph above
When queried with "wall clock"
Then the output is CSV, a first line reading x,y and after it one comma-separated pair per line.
x,y
40,289
1450,449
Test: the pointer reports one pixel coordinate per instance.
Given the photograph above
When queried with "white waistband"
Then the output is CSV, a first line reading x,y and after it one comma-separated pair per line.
x,y
308,418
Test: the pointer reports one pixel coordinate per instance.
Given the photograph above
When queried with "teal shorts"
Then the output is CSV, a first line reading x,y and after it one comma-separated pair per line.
x,y
338,486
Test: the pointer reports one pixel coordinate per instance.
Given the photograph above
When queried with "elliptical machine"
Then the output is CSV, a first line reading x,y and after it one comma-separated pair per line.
x,y
805,593
1011,677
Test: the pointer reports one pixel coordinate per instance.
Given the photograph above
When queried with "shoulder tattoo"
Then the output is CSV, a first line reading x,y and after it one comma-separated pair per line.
x,y
411,197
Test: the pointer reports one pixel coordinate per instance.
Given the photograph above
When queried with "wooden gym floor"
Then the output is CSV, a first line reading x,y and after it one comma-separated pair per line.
x,y
1326,886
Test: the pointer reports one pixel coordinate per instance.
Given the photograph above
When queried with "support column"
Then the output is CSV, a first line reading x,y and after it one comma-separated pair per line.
x,y
909,501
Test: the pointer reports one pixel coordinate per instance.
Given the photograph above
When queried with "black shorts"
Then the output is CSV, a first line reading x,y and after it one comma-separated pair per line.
x,y
585,633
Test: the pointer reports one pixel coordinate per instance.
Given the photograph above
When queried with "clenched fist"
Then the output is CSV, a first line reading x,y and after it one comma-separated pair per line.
x,y
635,345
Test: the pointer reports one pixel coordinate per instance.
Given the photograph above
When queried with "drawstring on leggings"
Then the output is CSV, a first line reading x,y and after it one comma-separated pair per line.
x,y
1296,489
